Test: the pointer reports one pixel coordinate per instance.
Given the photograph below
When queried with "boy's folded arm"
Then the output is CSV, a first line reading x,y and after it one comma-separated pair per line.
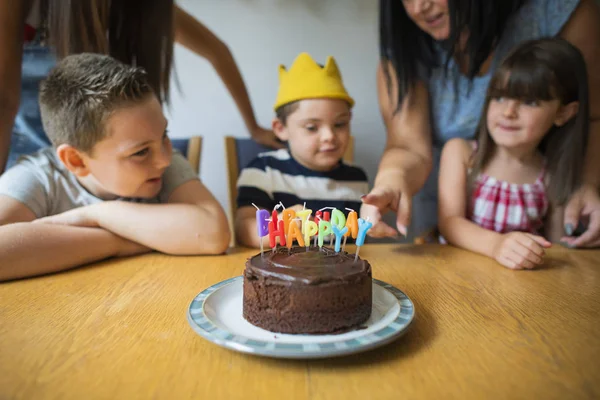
x,y
192,222
28,249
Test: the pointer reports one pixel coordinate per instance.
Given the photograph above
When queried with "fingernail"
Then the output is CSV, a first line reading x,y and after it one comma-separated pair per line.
x,y
401,229
569,229
363,196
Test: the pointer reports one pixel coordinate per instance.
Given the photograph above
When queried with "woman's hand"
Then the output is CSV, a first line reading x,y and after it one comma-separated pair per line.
x,y
584,206
381,200
266,138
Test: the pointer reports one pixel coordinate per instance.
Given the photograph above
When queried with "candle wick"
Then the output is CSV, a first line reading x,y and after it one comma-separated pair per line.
x,y
255,206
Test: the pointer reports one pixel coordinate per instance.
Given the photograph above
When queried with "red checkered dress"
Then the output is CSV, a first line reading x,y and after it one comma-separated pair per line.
x,y
506,207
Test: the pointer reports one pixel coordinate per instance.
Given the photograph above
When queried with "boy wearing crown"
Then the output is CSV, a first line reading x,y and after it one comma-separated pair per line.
x,y
312,114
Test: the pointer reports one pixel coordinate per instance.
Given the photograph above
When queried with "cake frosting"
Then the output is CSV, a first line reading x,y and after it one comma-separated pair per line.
x,y
307,291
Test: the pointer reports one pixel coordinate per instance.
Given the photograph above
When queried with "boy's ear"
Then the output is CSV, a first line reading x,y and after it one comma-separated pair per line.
x,y
279,129
566,112
73,160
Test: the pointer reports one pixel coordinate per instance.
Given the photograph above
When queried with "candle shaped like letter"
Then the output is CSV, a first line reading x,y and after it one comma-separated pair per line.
x,y
294,232
288,216
318,218
363,227
338,236
321,215
338,226
352,225
262,226
324,230
276,230
310,229
304,215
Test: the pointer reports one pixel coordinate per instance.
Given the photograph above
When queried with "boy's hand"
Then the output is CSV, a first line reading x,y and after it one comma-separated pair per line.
x,y
518,250
76,217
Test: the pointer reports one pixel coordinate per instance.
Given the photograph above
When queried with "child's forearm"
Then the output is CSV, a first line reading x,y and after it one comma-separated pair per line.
x,y
28,249
169,228
247,235
463,233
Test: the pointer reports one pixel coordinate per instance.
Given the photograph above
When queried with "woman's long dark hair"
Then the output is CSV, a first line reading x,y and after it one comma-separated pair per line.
x,y
406,51
538,70
136,32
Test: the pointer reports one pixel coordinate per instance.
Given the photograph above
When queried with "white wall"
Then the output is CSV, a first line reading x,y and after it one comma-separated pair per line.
x,y
261,35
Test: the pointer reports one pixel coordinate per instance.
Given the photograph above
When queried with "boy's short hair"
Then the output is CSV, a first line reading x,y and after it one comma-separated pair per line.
x,y
82,91
282,113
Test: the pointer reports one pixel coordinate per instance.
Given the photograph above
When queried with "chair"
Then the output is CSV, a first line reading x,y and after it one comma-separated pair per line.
x,y
239,153
191,149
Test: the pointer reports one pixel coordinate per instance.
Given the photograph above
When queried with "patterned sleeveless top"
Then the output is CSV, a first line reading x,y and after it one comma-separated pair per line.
x,y
507,207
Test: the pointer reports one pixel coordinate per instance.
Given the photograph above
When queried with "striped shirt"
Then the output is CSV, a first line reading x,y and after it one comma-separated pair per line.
x,y
275,177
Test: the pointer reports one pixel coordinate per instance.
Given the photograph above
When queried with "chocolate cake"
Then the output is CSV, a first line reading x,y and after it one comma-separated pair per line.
x,y
314,291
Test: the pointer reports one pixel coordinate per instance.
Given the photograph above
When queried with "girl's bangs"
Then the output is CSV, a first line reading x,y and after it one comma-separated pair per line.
x,y
524,81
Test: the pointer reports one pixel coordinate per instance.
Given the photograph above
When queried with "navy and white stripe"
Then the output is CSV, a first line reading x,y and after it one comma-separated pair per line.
x,y
275,177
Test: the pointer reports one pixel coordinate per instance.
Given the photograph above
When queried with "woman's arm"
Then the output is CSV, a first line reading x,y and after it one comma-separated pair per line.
x,y
191,34
406,161
12,19
583,31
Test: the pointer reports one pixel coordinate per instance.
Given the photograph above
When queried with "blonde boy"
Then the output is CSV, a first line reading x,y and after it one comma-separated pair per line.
x,y
313,113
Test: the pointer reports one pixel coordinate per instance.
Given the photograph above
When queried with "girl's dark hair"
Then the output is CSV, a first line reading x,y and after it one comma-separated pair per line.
x,y
408,52
539,70
135,32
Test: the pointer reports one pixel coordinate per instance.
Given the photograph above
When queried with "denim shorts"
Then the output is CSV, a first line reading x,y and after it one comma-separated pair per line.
x,y
28,134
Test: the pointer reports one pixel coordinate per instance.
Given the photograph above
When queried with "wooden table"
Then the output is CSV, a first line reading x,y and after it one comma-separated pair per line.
x,y
118,330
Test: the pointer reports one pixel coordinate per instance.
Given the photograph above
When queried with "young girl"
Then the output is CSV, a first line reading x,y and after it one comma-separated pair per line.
x,y
502,196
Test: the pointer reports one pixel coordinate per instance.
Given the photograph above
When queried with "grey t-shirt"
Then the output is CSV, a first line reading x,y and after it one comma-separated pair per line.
x,y
42,183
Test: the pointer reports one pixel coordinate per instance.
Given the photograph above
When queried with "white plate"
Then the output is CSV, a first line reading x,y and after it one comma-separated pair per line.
x,y
216,315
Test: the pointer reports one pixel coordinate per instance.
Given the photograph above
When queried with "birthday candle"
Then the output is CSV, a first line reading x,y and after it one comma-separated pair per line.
x,y
318,216
262,223
338,218
275,232
338,233
352,224
288,215
304,215
310,228
294,232
324,230
363,227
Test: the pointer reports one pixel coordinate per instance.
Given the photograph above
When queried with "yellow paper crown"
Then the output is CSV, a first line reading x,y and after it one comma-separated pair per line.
x,y
308,80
